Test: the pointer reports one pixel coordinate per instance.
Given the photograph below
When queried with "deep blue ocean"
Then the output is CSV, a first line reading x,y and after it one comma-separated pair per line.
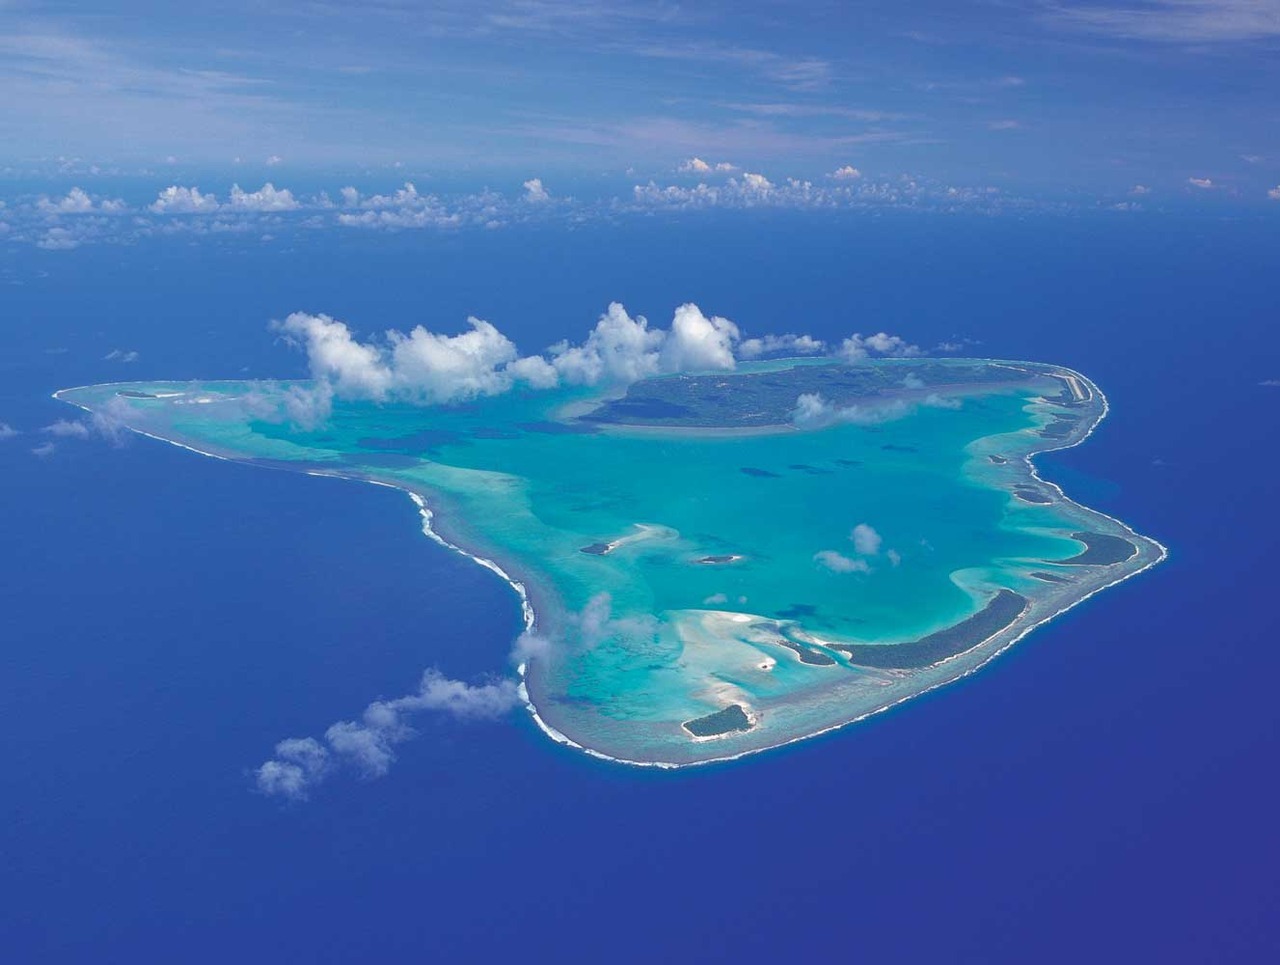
x,y
1106,791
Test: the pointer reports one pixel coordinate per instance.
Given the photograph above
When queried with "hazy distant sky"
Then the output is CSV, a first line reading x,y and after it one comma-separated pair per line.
x,y
1052,98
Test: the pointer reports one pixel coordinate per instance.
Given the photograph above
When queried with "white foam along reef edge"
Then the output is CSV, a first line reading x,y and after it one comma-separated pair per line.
x,y
529,615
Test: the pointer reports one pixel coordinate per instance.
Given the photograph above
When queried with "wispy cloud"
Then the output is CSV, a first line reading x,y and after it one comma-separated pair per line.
x,y
1175,21
788,109
799,73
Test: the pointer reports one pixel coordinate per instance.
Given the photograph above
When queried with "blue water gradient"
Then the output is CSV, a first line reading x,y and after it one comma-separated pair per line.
x,y
1104,791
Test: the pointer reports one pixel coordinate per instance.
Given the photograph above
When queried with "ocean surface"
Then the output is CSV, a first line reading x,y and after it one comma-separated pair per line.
x,y
1102,791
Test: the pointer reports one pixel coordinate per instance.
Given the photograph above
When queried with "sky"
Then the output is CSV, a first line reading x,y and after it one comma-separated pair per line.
x,y
1115,101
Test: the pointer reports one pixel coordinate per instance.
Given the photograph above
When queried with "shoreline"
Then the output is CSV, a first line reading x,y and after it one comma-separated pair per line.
x,y
529,615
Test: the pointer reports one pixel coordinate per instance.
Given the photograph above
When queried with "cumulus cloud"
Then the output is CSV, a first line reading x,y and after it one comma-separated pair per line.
x,y
715,599
177,199
839,563
894,557
430,368
367,746
1138,190
7,431
355,370
696,342
78,201
780,344
406,208
846,173
857,347
425,367
120,355
814,412
619,349
695,165
266,198
1200,182
1274,193
534,192
866,541
44,450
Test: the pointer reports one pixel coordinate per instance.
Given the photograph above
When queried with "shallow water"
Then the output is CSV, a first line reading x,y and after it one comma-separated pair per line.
x,y
682,568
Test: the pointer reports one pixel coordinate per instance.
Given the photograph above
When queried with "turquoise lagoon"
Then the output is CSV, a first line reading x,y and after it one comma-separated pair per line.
x,y
683,547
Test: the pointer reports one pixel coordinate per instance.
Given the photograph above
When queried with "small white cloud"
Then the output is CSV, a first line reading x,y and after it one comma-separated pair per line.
x,y
1006,124
857,347
1274,193
78,201
839,563
274,159
894,557
534,192
7,431
846,173
935,401
266,198
1200,182
68,429
695,165
44,450
177,199
715,599
1138,190
757,183
777,344
120,355
866,541
814,412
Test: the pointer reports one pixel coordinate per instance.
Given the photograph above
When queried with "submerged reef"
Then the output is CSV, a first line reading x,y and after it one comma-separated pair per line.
x,y
716,564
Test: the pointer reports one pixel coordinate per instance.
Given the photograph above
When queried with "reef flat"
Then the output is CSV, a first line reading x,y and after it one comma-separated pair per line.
x,y
715,564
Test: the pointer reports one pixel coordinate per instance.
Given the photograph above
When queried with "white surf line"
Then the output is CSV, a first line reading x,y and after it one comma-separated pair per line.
x,y
530,620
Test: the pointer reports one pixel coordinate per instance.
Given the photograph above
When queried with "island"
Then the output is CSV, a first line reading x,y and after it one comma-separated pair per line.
x,y
715,564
